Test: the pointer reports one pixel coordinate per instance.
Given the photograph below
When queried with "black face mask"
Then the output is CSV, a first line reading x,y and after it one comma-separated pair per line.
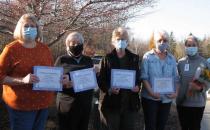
x,y
76,50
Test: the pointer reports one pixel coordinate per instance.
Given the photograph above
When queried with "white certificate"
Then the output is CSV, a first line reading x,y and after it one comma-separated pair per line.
x,y
83,80
50,78
121,78
163,85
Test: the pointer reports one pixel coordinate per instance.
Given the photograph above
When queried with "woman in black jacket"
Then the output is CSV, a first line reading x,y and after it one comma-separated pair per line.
x,y
119,107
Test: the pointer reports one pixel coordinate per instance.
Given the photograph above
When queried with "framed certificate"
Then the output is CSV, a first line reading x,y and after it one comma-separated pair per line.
x,y
163,85
50,78
121,78
84,79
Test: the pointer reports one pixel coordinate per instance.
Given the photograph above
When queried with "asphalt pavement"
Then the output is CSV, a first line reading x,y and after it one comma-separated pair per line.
x,y
205,124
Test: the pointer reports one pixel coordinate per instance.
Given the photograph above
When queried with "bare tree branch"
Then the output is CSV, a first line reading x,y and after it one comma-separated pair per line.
x,y
61,16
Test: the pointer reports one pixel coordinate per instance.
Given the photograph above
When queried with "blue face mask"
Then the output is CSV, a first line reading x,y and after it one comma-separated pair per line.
x,y
120,44
162,47
191,51
208,60
30,33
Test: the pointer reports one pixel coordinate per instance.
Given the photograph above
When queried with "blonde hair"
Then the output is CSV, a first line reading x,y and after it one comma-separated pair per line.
x,y
76,35
120,31
18,35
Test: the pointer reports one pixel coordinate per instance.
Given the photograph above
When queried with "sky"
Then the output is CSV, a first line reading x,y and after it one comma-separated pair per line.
x,y
178,16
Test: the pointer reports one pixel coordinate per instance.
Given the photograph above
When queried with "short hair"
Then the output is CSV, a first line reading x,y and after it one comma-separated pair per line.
x,y
18,33
191,37
159,33
120,31
76,35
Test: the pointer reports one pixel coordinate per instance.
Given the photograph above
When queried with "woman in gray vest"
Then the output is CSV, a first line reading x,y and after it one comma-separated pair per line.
x,y
191,99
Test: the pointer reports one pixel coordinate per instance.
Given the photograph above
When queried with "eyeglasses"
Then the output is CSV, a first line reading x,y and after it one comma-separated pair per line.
x,y
29,25
73,43
162,40
191,45
121,39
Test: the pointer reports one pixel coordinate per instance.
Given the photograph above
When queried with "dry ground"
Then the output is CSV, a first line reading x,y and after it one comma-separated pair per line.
x,y
172,123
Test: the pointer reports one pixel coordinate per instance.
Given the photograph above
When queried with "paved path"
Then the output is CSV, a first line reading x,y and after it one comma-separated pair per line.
x,y
205,124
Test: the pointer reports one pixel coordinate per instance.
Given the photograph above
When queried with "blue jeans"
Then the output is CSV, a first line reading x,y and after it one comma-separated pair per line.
x,y
155,114
27,120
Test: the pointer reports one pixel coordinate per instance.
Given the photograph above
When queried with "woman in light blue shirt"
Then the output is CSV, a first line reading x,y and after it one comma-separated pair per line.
x,y
158,65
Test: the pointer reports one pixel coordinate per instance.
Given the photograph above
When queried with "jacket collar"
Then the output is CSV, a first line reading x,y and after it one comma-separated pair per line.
x,y
127,52
195,57
152,52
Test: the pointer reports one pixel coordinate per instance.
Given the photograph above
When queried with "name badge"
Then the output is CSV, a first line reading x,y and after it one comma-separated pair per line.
x,y
186,67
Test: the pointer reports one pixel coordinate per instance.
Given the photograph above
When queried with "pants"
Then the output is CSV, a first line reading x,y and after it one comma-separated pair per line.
x,y
116,120
1,105
77,119
155,114
190,117
27,120
77,116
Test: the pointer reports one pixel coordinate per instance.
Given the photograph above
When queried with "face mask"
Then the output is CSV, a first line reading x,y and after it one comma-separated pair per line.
x,y
191,51
162,47
75,50
208,60
30,33
120,44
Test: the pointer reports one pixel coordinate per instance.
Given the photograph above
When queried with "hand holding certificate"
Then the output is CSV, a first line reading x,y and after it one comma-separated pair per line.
x,y
123,78
163,85
50,78
84,79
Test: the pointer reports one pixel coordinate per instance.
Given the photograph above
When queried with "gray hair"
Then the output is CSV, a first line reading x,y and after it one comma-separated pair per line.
x,y
160,33
75,35
18,29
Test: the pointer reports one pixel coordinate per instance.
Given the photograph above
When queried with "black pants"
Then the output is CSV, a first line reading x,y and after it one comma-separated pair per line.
x,y
190,117
77,118
116,120
155,114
